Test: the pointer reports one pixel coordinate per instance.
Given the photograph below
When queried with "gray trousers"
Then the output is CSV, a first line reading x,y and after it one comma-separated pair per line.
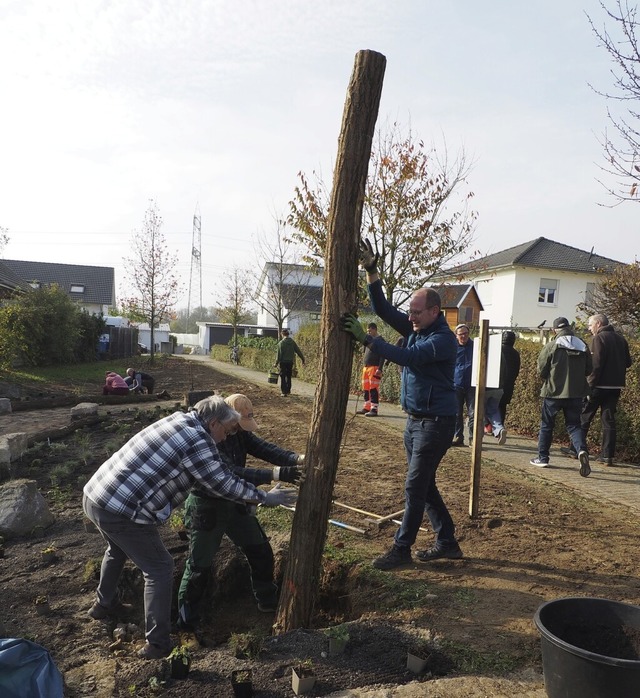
x,y
140,543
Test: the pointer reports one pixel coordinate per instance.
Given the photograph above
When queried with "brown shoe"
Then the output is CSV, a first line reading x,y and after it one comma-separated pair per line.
x,y
100,612
149,651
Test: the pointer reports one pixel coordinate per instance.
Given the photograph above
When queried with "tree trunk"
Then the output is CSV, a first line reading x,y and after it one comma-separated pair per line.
x,y
339,295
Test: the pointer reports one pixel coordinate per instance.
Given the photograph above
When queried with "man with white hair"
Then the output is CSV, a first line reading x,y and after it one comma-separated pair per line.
x,y
136,490
208,517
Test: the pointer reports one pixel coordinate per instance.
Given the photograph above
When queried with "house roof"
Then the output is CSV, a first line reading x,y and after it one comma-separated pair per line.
x,y
453,295
300,297
9,279
541,253
98,283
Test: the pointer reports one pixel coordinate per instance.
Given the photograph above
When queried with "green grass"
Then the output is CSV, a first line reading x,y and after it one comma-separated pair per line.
x,y
471,661
275,518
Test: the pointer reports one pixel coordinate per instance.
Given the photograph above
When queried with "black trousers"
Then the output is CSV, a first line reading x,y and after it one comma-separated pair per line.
x,y
286,369
605,399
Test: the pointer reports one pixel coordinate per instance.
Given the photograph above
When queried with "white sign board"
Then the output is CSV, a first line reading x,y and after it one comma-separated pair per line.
x,y
493,361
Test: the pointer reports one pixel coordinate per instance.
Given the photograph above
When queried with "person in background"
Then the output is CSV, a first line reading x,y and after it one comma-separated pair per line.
x,y
139,381
509,371
465,392
564,364
208,518
135,490
428,397
611,359
114,384
371,376
287,350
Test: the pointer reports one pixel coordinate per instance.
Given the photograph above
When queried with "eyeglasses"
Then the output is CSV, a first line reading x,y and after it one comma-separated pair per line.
x,y
417,313
462,334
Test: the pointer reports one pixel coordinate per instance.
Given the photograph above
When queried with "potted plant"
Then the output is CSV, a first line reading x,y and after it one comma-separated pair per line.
x,y
42,605
303,677
338,637
49,554
179,662
241,683
418,657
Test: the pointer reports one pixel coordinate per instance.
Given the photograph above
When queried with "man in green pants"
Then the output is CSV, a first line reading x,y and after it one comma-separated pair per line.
x,y
208,518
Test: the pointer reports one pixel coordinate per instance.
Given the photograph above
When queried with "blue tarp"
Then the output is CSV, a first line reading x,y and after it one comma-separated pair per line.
x,y
27,671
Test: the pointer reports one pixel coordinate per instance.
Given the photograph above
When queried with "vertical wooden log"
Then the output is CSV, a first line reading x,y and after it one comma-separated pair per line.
x,y
339,295
482,343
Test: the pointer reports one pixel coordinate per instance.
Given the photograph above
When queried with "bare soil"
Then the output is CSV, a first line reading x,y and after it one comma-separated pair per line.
x,y
532,542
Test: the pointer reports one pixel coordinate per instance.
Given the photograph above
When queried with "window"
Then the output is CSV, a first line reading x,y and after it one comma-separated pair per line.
x,y
548,291
314,317
465,314
77,288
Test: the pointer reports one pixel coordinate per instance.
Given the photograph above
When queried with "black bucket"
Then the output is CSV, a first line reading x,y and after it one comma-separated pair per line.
x,y
576,633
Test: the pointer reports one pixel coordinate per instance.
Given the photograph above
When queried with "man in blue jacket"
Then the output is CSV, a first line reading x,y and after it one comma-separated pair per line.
x,y
465,392
428,397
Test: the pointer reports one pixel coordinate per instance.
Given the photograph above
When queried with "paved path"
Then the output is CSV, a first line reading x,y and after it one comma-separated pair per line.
x,y
619,485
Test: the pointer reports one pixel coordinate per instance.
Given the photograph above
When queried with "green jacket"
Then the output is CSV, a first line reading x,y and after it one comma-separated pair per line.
x,y
287,350
564,364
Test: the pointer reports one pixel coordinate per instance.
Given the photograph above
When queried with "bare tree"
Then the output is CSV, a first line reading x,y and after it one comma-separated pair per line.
x,y
282,285
236,287
416,211
150,270
617,295
622,148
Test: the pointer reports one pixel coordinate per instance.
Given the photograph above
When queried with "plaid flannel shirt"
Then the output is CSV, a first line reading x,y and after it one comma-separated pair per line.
x,y
154,471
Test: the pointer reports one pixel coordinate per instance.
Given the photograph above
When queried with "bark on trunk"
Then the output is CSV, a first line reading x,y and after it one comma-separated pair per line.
x,y
339,296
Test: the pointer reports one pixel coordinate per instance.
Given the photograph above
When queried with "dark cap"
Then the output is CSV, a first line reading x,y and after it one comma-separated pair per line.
x,y
560,322
509,338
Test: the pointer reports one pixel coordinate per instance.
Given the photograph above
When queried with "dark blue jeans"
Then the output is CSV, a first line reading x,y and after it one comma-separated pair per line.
x,y
286,369
571,407
426,441
466,397
607,400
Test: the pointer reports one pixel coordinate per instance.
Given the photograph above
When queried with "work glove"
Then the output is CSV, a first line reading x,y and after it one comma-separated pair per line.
x,y
287,473
277,497
300,459
368,258
378,374
350,323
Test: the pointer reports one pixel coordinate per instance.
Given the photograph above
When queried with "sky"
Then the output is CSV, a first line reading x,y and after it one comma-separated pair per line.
x,y
215,106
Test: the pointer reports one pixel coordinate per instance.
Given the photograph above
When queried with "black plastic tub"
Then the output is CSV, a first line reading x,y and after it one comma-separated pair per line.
x,y
579,635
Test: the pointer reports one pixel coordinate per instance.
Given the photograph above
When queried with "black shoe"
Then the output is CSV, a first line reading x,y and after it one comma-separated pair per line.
x,y
605,461
267,606
457,442
585,468
100,612
394,557
436,553
569,452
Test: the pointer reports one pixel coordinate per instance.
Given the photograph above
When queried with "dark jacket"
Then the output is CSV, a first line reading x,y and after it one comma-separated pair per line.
x,y
287,350
372,359
509,370
564,364
429,359
234,449
464,363
611,359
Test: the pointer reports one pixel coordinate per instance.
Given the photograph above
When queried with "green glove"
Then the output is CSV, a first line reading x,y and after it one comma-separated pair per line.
x,y
350,323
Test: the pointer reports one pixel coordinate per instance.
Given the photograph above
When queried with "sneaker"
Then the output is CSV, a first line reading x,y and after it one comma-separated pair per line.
x,y
149,651
540,462
267,606
100,612
569,452
372,413
585,468
457,442
502,439
435,553
394,557
364,410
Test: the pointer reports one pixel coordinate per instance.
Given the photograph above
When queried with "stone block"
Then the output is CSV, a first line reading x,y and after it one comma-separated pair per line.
x,y
84,409
5,405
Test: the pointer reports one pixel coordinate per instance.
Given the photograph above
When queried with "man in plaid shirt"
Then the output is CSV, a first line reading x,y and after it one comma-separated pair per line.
x,y
139,486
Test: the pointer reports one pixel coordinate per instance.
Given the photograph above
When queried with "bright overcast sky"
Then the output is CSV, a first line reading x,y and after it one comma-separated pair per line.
x,y
218,104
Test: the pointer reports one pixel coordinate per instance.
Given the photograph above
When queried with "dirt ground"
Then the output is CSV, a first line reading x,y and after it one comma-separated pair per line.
x,y
532,542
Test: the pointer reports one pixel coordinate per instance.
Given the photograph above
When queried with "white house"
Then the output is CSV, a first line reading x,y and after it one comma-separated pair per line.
x,y
160,336
291,290
529,285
